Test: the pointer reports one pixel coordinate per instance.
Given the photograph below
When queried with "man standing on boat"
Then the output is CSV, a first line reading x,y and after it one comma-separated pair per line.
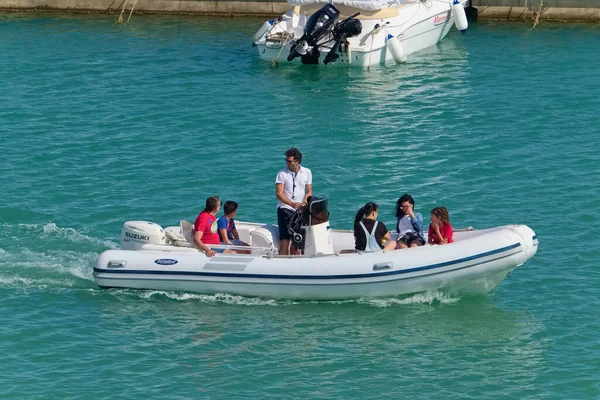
x,y
293,186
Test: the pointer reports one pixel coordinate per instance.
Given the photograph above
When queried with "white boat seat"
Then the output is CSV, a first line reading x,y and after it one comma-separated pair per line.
x,y
266,236
187,230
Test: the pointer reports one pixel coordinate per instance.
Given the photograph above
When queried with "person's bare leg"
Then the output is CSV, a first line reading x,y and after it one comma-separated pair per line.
x,y
284,247
390,245
401,246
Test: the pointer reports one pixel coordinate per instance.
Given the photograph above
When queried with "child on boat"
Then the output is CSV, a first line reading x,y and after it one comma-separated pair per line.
x,y
409,225
228,234
369,234
440,230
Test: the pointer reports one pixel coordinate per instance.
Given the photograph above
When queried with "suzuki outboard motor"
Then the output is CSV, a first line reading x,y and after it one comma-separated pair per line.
x,y
347,28
136,234
318,25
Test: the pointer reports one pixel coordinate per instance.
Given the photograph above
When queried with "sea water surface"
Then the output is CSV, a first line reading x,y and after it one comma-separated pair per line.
x,y
102,123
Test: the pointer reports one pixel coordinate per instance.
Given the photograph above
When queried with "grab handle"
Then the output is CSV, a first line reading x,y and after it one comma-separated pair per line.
x,y
116,264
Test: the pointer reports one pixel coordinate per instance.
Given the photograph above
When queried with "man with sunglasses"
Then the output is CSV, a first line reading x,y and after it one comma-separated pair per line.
x,y
293,186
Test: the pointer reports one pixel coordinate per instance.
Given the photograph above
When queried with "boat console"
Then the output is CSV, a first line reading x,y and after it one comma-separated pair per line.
x,y
310,230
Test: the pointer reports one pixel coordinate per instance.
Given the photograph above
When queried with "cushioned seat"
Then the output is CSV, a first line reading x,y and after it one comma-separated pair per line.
x,y
266,236
187,230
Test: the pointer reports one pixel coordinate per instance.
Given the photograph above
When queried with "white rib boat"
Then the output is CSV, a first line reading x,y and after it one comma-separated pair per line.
x,y
153,258
357,32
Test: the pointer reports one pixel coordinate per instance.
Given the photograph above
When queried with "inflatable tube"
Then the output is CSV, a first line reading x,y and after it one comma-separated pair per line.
x,y
478,259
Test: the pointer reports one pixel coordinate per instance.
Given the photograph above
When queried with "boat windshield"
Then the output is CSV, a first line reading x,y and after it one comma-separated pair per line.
x,y
366,5
318,210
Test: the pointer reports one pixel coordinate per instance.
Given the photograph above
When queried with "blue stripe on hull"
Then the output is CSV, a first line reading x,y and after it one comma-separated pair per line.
x,y
270,276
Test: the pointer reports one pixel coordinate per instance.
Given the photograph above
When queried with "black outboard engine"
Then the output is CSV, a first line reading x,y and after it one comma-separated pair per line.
x,y
347,28
318,25
315,213
295,227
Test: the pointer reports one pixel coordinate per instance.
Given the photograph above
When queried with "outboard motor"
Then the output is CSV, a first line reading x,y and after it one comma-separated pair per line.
x,y
135,234
341,31
296,227
318,25
310,230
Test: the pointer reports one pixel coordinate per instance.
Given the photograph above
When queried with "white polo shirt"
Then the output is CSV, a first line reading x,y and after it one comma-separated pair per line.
x,y
294,185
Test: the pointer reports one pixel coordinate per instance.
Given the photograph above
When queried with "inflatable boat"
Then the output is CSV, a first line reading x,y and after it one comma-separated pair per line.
x,y
328,268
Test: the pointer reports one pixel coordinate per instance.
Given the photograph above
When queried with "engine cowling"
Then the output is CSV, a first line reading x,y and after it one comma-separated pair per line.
x,y
318,26
135,234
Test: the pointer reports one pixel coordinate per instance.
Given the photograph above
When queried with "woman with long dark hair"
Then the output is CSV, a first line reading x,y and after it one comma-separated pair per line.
x,y
370,234
410,224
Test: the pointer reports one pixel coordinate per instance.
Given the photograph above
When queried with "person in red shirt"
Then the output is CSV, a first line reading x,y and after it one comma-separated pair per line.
x,y
205,227
440,230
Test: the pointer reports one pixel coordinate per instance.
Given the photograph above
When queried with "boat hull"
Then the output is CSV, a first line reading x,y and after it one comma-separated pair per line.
x,y
475,264
416,27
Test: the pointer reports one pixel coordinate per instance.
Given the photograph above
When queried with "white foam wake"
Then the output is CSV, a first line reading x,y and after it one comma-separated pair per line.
x,y
51,230
45,255
225,298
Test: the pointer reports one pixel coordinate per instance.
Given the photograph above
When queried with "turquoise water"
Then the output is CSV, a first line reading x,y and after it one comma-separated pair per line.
x,y
102,123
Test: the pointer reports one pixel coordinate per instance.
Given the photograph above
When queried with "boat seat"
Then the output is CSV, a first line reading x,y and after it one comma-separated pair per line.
x,y
266,236
187,230
345,11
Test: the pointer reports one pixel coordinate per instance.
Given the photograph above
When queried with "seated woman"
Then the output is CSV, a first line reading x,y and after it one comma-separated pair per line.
x,y
440,230
409,225
370,234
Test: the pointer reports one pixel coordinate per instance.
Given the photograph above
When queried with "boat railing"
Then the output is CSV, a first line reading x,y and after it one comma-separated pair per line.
x,y
253,249
467,229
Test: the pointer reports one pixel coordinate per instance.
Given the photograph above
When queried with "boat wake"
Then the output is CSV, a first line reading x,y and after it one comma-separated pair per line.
x,y
51,231
418,298
47,256
225,298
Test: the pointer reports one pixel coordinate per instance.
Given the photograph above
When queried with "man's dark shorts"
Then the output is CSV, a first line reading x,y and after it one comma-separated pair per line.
x,y
283,219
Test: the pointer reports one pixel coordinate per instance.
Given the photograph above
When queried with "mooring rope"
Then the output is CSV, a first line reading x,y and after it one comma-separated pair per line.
x,y
120,20
134,3
276,59
111,4
375,31
537,16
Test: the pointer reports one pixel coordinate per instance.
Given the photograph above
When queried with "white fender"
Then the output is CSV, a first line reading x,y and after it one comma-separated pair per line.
x,y
262,30
460,17
396,49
